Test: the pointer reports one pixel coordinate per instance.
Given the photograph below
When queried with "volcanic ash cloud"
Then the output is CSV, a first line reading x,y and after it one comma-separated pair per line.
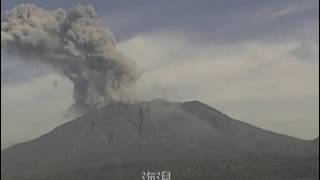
x,y
74,44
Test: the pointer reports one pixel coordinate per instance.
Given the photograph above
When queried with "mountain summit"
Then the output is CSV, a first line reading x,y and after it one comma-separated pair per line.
x,y
146,132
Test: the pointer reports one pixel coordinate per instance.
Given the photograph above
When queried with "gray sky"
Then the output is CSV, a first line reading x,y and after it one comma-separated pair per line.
x,y
257,61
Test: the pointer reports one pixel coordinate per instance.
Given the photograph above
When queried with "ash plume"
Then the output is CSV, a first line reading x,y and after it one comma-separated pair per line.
x,y
74,44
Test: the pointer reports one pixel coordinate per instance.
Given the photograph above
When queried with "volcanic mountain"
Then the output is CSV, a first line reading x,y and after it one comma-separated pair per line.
x,y
192,139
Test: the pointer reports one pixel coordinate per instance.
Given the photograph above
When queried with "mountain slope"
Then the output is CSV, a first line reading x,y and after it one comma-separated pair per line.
x,y
145,132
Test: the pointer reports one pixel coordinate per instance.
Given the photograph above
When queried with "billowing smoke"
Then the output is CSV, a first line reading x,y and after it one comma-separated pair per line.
x,y
74,44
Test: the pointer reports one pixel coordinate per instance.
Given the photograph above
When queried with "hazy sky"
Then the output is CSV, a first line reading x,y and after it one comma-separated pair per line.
x,y
257,61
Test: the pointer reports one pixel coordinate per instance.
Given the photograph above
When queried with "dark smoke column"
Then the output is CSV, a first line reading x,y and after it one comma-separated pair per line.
x,y
76,46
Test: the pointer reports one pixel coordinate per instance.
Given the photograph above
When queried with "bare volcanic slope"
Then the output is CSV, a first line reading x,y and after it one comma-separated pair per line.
x,y
147,132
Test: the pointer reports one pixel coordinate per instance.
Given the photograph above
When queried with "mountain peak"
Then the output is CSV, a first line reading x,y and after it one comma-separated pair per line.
x,y
147,131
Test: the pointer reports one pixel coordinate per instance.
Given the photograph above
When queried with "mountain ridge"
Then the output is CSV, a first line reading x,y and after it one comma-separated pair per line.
x,y
163,100
147,132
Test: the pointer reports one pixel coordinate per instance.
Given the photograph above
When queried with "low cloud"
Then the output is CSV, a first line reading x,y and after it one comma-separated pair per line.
x,y
33,108
272,84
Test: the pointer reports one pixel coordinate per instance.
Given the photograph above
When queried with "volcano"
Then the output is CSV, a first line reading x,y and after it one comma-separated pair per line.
x,y
191,139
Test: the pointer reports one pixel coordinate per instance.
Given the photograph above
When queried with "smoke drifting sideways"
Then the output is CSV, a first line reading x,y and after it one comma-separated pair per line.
x,y
73,43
